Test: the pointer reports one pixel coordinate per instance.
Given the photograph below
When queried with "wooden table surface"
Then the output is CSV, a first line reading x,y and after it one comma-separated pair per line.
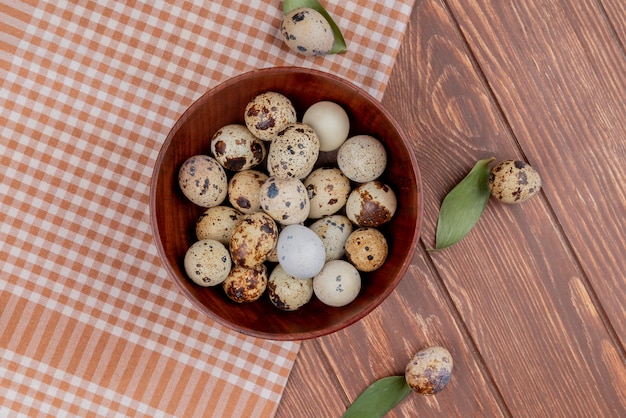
x,y
531,303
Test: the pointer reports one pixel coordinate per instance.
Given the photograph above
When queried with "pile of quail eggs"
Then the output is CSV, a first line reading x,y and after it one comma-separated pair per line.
x,y
278,221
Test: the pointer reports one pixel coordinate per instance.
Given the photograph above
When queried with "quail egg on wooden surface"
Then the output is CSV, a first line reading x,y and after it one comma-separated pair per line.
x,y
207,262
300,251
287,292
217,223
252,239
362,158
330,122
285,200
307,32
366,249
236,149
245,284
371,204
334,231
203,181
429,370
293,152
269,113
328,191
337,284
513,181
244,190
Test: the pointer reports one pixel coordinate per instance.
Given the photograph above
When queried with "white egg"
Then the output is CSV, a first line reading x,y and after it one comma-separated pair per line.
x,y
300,251
330,122
337,284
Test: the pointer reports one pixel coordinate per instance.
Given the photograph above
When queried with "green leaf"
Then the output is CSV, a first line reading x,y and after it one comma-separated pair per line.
x,y
340,43
462,207
379,398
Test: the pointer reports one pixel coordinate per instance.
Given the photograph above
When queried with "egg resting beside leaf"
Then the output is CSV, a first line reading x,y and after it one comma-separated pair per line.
x,y
513,181
305,31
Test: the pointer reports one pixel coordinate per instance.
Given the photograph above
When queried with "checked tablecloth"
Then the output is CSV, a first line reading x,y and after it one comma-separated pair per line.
x,y
90,324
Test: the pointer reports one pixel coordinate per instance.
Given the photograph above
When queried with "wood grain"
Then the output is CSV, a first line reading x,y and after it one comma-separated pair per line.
x,y
531,302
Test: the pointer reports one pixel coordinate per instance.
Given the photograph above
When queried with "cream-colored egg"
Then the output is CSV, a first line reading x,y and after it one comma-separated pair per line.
x,y
362,158
305,31
244,190
293,152
330,122
236,149
217,223
285,200
287,292
337,284
207,262
300,251
366,249
269,113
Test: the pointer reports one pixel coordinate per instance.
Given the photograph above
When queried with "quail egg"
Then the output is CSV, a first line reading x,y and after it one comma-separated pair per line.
x,y
334,231
293,152
252,239
429,370
305,31
269,113
300,251
366,249
236,149
362,158
337,284
207,262
330,122
217,223
244,190
371,204
328,191
285,200
513,181
246,284
203,181
287,292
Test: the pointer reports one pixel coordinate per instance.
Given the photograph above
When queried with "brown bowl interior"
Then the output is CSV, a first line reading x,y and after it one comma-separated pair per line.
x,y
173,217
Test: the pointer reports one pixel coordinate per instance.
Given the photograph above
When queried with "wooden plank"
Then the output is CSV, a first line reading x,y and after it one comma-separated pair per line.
x,y
566,104
615,11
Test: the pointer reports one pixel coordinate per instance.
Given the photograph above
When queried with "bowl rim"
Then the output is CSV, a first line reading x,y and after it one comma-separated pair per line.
x,y
304,335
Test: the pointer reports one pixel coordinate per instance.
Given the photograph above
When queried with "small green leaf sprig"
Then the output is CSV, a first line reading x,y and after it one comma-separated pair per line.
x,y
379,398
463,205
340,44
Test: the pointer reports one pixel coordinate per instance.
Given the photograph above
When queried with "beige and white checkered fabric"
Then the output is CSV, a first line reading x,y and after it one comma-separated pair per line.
x,y
90,325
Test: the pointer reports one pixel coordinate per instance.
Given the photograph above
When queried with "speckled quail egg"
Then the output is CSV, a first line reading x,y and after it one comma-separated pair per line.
x,y
362,158
236,149
330,122
252,239
371,204
244,190
287,292
217,223
367,249
207,262
300,251
429,370
269,113
305,31
293,152
513,181
246,284
203,181
285,200
337,284
334,231
328,191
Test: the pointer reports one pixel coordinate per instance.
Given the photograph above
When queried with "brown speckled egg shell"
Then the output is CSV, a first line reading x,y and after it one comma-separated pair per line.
x,y
246,284
513,181
305,31
203,181
371,204
429,370
236,149
362,158
207,262
293,152
328,189
285,200
243,190
366,249
269,113
253,237
217,223
287,292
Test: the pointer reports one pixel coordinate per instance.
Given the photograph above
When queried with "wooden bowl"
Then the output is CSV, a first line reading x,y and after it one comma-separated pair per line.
x,y
173,217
